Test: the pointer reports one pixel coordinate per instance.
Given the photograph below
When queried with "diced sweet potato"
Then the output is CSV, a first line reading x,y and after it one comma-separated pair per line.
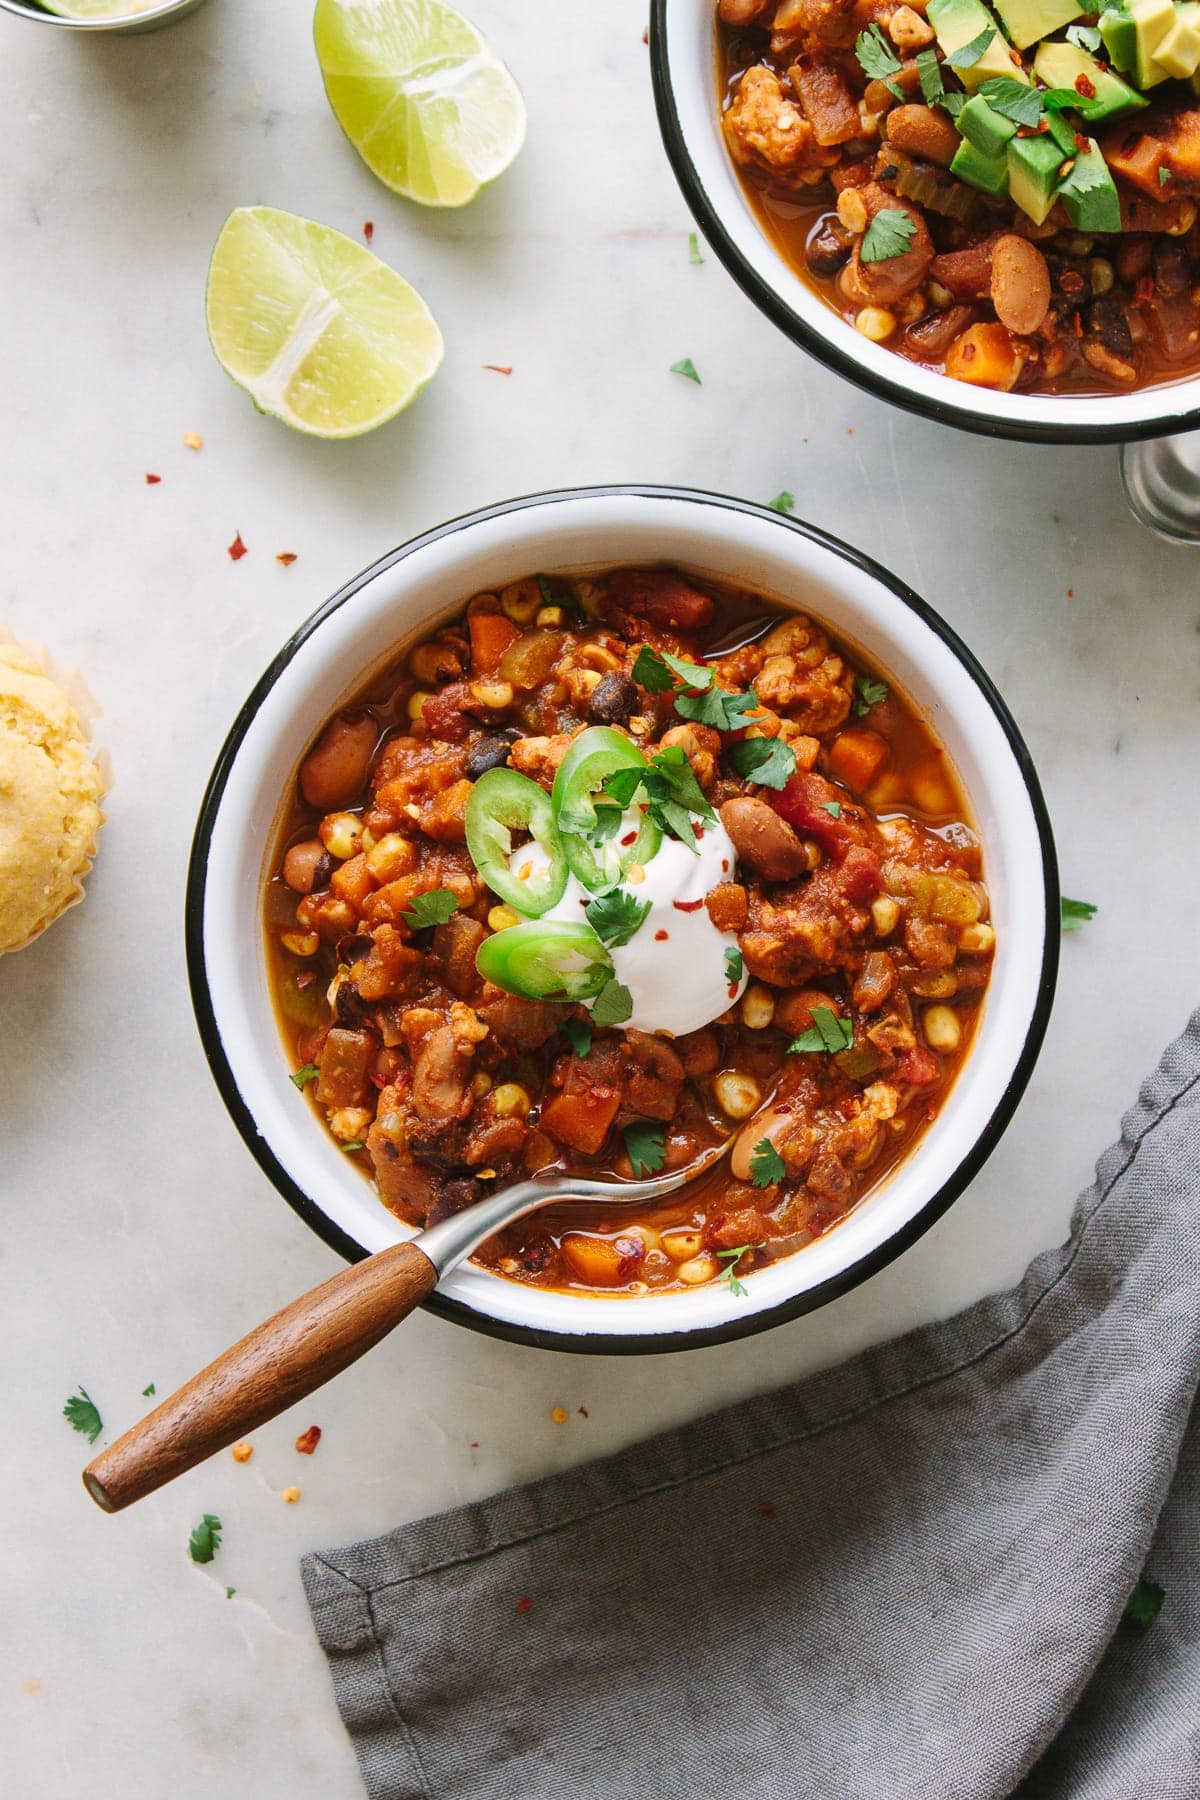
x,y
491,634
602,1262
352,881
985,356
581,1117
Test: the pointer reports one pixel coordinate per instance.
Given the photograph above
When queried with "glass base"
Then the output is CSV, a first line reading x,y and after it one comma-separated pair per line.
x,y
1162,485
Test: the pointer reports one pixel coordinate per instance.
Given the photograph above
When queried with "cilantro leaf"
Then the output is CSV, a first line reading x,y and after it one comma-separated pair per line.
x,y
651,672
1015,100
1076,913
929,73
687,369
953,103
692,675
205,1541
1164,175
969,54
876,58
229,1593
889,234
147,1391
735,963
768,761
733,1258
720,709
309,1072
672,766
1084,37
646,1144
782,503
766,1165
82,1414
832,807
1145,1603
615,916
1068,100
1088,177
613,1004
433,908
827,1033
868,693
694,255
354,1144
672,792
620,787
698,698
579,1035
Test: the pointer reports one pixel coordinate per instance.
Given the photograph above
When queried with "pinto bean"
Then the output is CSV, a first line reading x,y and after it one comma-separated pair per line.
x,y
922,132
303,863
825,251
881,283
933,336
335,770
764,840
1020,284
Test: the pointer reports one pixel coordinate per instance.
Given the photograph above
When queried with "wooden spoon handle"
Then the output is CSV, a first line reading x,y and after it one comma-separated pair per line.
x,y
277,1363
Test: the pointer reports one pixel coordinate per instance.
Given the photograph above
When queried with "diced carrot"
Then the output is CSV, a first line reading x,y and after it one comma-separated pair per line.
x,y
856,756
602,1262
352,881
582,1117
984,356
1137,158
491,634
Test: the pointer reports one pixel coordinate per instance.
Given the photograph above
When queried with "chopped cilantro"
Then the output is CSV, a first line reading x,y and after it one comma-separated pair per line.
x,y
694,255
868,693
782,503
147,1391
1084,37
82,1414
1014,100
827,1033
651,672
876,58
687,368
720,709
929,73
646,1143
229,1593
766,1165
733,1258
953,103
889,234
309,1072
768,761
1068,100
434,908
832,807
692,675
1076,913
1145,1603
969,54
579,1035
354,1144
613,1004
699,699
1164,175
734,965
615,916
672,792
205,1541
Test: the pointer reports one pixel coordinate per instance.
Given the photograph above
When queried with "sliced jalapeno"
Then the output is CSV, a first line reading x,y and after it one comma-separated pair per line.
x,y
545,959
593,842
503,802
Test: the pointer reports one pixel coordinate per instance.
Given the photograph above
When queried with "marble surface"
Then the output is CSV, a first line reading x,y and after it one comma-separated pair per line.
x,y
138,1237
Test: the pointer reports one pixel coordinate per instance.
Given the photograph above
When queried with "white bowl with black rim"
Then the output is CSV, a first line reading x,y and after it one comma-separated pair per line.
x,y
402,597
684,52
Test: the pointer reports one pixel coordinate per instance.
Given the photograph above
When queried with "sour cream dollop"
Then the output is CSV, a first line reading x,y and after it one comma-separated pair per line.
x,y
674,964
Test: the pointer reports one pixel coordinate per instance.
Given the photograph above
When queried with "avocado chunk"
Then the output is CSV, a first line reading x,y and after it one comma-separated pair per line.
x,y
1066,66
1119,38
1028,20
1152,20
960,22
1089,193
1179,52
1033,165
984,127
978,170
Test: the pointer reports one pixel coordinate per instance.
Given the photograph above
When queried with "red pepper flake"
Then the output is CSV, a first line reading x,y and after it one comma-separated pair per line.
x,y
237,549
524,1603
687,905
697,831
646,35
499,368
306,978
1085,87
733,990
629,838
474,1444
583,1412
1070,593
377,1080
767,1510
724,865
1143,291
1064,169
1078,324
1081,142
308,1440
1024,131
368,230
153,480
286,557
660,937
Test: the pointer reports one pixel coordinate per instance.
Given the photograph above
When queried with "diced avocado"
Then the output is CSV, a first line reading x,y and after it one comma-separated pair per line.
x,y
1028,20
960,22
1179,51
984,127
1033,165
1064,65
979,170
1119,37
1152,20
1089,193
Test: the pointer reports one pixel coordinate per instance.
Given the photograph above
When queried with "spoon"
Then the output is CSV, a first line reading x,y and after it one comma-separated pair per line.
x,y
323,1332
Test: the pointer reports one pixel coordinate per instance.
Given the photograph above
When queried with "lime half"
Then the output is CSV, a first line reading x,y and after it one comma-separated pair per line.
x,y
425,101
318,331
99,9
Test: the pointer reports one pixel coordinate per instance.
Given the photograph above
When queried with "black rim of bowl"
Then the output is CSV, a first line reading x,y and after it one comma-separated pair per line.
x,y
764,296
640,1343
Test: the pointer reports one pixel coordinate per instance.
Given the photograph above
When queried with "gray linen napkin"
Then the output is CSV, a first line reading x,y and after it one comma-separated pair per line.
x,y
913,1568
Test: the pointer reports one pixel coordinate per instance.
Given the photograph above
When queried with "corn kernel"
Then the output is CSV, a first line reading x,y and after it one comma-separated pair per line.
x,y
1185,221
942,1029
500,918
680,1245
290,1495
885,913
938,295
192,440
814,853
521,601
1101,275
242,1452
875,323
348,1123
416,704
391,857
737,1095
481,1084
493,694
698,1270
758,1007
510,1101
852,209
549,617
341,834
977,940
301,943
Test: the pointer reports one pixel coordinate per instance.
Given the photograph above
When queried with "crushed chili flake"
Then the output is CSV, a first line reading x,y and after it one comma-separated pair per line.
x,y
646,34
153,480
660,937
286,557
1143,291
697,831
308,1440
524,1603
767,1510
559,1414
1085,87
192,440
583,1412
474,1444
629,838
499,368
1078,323
306,978
1081,142
237,549
376,1080
688,906
368,230
1070,593
1064,169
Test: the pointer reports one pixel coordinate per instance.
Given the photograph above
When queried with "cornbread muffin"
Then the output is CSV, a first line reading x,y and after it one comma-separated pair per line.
x,y
50,793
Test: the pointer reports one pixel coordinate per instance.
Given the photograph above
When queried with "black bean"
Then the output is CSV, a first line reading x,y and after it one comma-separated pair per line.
x,y
1172,271
350,1007
1107,322
614,700
490,752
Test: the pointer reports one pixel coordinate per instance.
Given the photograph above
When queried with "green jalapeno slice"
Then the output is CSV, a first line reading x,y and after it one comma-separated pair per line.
x,y
546,959
594,838
503,802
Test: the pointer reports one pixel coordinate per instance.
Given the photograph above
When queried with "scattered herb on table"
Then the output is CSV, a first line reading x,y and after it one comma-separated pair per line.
x,y
82,1414
579,1036
687,368
768,761
616,915
868,693
205,1541
148,1390
694,255
1145,1603
766,1165
433,908
733,1258
229,1593
646,1144
827,1033
237,549
613,1004
889,234
1076,913
299,1077
782,503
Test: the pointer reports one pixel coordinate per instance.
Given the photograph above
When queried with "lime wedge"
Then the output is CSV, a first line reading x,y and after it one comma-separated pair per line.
x,y
319,332
98,9
425,101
